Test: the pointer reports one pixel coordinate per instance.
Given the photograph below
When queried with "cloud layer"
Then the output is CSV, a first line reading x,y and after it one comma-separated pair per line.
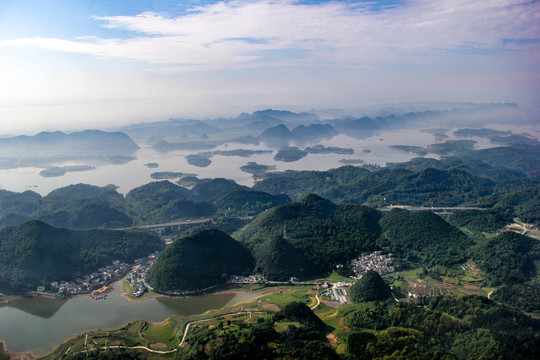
x,y
227,57
246,34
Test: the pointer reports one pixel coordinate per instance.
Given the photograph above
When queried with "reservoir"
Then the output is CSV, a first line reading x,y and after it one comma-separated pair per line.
x,y
40,324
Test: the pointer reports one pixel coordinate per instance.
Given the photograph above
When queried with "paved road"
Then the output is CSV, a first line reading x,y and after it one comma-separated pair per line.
x,y
431,208
318,302
175,223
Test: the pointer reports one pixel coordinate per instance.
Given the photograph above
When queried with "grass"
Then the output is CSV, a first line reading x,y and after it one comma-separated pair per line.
x,y
282,326
336,277
126,286
164,332
413,272
289,294
328,315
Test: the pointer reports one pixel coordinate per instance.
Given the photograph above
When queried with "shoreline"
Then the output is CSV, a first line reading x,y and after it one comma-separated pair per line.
x,y
258,293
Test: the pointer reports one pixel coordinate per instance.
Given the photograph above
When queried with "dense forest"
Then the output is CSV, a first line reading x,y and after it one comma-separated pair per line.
x,y
84,206
423,237
310,237
199,261
444,327
35,253
507,258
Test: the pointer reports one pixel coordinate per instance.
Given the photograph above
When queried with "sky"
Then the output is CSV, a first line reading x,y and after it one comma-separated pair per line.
x,y
97,63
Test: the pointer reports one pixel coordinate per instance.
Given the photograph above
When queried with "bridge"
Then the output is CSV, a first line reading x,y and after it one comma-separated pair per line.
x,y
174,223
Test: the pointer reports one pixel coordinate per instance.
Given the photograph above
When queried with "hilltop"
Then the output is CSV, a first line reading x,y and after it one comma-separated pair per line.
x,y
199,261
315,233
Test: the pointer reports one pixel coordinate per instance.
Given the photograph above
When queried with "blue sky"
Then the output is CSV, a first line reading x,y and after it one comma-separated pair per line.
x,y
76,64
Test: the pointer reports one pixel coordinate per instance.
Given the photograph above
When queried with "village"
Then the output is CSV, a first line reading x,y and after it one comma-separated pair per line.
x,y
97,283
382,264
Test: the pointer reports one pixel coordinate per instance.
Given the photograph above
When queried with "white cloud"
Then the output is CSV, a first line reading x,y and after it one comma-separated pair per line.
x,y
237,34
238,56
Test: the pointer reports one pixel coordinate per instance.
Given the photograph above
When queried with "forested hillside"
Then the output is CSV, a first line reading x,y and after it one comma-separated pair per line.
x,y
196,262
467,327
310,237
424,237
35,253
84,206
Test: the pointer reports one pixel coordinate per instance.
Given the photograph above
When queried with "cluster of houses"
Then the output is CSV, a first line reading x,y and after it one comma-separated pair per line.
x,y
383,264
136,278
87,283
141,289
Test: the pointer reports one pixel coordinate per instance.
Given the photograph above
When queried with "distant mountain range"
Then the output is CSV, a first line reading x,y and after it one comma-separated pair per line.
x,y
270,125
48,147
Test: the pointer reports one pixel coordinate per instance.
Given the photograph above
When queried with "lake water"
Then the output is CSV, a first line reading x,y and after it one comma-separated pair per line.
x,y
39,324
134,174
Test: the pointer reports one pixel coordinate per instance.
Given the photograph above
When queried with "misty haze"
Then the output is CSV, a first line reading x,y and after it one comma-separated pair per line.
x,y
269,179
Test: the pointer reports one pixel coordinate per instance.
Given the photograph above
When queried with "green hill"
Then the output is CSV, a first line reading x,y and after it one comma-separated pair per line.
x,y
23,204
524,204
35,253
155,195
181,209
370,287
480,220
429,187
86,214
507,258
278,260
250,201
212,189
199,261
321,232
424,237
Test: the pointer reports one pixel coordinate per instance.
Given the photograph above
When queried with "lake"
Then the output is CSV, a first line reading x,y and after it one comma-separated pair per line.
x,y
40,324
133,174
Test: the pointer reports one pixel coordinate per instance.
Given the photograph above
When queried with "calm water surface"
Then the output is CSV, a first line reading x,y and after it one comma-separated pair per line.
x,y
134,174
40,324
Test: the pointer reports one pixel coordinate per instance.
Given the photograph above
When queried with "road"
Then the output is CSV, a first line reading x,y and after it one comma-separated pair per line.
x,y
318,302
431,208
174,223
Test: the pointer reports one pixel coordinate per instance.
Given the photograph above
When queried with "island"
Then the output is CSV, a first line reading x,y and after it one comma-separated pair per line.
x,y
151,165
289,154
62,170
241,152
169,175
258,170
321,149
200,160
410,149
352,161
